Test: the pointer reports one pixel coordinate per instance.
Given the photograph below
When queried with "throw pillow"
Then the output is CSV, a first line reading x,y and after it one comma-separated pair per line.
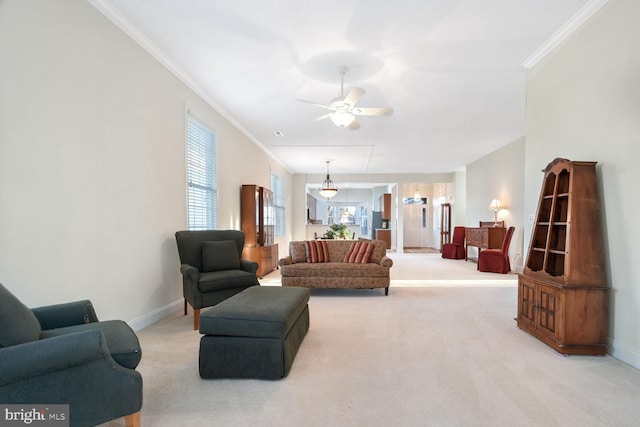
x,y
18,324
220,255
317,251
298,252
359,252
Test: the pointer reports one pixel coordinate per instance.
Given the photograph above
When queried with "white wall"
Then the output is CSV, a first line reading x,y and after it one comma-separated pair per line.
x,y
499,175
584,104
92,163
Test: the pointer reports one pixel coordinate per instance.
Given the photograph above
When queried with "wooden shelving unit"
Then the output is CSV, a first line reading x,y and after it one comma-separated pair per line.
x,y
562,293
257,217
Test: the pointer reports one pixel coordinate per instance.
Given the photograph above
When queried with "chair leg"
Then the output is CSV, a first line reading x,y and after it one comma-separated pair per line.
x,y
196,319
185,306
132,420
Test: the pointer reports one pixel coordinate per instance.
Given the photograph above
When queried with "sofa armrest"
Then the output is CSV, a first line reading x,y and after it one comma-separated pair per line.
x,y
249,266
67,314
386,261
190,274
37,358
76,369
285,261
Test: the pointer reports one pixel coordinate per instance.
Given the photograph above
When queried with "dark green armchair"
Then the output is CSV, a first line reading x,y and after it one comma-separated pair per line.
x,y
62,354
212,268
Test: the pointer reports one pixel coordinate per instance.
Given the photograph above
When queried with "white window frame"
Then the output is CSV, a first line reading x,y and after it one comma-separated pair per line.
x,y
202,189
277,187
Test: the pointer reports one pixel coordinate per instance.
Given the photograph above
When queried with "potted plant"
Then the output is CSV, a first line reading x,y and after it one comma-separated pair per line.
x,y
337,231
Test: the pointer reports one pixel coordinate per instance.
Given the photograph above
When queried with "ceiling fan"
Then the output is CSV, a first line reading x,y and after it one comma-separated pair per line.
x,y
343,109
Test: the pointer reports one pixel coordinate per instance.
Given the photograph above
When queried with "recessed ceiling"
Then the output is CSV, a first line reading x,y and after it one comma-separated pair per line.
x,y
450,69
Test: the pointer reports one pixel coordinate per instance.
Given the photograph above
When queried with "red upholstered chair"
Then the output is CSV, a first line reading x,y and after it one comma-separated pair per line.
x,y
497,260
455,249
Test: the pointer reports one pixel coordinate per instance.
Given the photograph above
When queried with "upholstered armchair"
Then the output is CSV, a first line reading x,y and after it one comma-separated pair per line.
x,y
497,260
62,354
455,249
212,268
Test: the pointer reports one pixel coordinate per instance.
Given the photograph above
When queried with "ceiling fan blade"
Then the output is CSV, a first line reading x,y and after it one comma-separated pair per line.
x,y
326,116
354,125
372,111
354,96
315,103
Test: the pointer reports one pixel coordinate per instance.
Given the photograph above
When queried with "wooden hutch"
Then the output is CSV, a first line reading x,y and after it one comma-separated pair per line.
x,y
562,293
257,217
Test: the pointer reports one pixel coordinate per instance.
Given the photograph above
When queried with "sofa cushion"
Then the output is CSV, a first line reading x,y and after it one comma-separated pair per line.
x,y
359,252
220,255
298,251
226,279
334,269
316,251
18,324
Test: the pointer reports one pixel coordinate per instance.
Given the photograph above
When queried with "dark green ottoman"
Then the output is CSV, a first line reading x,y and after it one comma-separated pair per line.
x,y
254,334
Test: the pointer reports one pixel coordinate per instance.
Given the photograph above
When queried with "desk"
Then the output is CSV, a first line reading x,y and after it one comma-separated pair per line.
x,y
483,238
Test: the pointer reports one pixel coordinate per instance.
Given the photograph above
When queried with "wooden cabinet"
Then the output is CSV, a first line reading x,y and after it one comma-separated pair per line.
x,y
266,256
385,206
562,293
483,238
257,218
385,236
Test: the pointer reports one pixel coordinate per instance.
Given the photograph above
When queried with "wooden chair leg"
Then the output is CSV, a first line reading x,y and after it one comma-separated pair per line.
x,y
185,306
196,319
132,420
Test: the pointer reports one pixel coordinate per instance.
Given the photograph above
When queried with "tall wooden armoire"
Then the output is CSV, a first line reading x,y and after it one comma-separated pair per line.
x,y
562,293
257,217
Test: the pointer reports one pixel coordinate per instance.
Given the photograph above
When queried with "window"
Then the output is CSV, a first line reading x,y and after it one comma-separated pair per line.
x,y
201,176
277,186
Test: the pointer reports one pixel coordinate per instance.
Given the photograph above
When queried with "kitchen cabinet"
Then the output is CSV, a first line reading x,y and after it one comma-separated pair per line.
x,y
385,236
385,206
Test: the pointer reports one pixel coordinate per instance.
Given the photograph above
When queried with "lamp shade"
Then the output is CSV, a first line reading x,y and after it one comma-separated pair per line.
x,y
495,205
328,192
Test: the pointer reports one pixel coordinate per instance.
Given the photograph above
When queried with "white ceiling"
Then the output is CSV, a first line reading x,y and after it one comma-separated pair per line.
x,y
450,69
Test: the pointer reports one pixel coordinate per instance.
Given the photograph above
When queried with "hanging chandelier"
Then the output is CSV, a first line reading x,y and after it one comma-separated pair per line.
x,y
328,189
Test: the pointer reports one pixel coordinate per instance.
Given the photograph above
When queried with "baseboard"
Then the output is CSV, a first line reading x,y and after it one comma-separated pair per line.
x,y
623,353
156,315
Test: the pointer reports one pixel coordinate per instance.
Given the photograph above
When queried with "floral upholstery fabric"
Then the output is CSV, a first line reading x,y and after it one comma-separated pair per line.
x,y
336,273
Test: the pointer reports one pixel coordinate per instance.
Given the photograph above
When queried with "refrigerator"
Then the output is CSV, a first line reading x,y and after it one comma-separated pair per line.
x,y
376,222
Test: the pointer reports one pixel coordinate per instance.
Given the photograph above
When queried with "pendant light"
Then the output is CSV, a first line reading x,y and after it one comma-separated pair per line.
x,y
328,189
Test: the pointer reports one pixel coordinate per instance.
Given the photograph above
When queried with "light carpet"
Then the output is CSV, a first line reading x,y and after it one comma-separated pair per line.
x,y
422,356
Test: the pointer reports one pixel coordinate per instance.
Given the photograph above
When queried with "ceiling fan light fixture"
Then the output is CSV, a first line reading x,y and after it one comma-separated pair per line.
x,y
342,118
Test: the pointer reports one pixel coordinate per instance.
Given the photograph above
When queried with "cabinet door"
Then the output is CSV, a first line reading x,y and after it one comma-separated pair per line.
x,y
526,302
548,305
385,206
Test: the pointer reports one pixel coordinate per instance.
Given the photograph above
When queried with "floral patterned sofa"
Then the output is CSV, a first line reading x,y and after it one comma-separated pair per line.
x,y
336,264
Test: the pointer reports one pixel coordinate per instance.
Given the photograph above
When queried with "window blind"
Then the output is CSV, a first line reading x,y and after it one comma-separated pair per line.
x,y
277,186
201,176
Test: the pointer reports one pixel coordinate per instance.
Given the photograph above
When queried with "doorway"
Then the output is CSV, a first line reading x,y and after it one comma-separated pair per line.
x,y
422,216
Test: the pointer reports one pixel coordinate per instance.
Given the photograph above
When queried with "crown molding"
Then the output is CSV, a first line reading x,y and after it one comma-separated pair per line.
x,y
114,15
572,24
